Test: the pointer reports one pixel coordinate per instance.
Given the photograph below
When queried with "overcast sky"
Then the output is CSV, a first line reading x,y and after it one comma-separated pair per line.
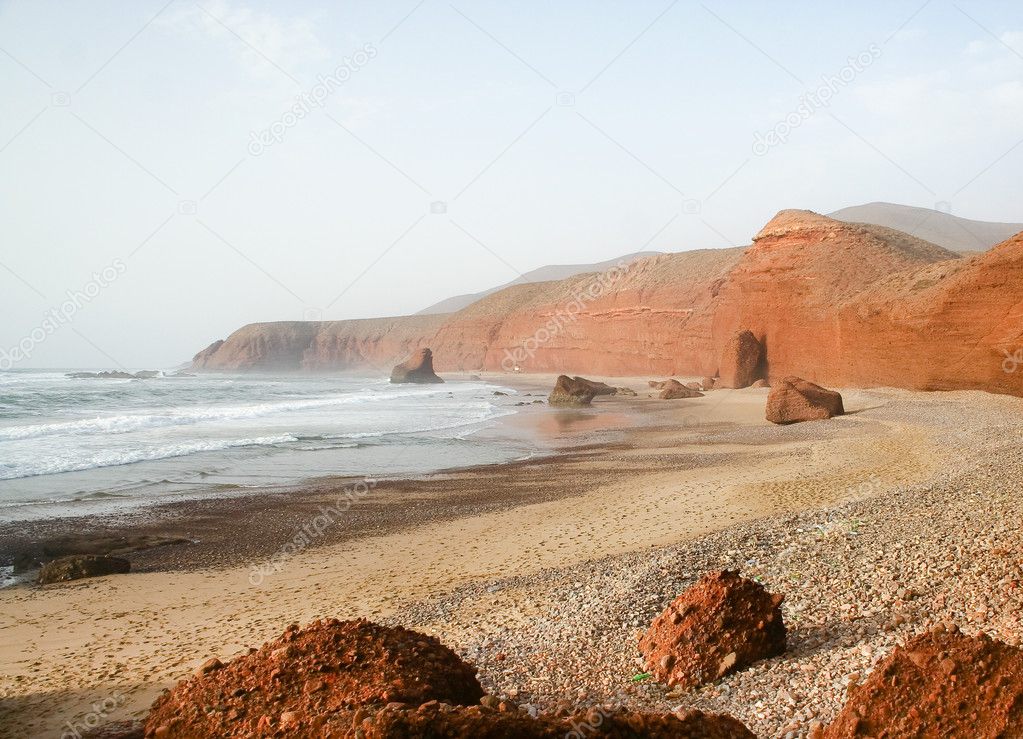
x,y
184,168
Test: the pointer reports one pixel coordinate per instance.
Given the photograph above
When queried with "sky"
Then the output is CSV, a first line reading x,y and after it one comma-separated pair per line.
x,y
170,171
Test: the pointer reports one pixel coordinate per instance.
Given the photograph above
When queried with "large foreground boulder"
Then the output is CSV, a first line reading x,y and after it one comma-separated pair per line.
x,y
477,722
793,400
721,624
740,361
77,566
577,391
417,368
941,684
673,390
295,682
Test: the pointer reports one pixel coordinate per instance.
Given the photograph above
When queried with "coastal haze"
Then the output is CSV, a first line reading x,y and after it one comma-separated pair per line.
x,y
478,143
431,369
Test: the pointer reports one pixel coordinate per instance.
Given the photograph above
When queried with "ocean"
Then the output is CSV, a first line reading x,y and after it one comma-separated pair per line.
x,y
73,447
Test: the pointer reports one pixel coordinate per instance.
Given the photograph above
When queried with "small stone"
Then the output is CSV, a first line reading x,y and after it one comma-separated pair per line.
x,y
210,665
727,663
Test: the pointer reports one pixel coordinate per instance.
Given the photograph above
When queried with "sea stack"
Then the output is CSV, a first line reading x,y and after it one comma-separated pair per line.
x,y
417,368
740,360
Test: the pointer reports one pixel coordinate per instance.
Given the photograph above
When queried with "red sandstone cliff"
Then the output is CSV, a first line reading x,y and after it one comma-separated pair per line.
x,y
836,303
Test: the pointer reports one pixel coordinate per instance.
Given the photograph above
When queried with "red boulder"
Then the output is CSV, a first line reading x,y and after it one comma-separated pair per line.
x,y
296,681
721,624
793,400
941,684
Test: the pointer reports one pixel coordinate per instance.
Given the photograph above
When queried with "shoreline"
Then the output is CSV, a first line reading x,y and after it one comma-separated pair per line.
x,y
198,532
221,462
585,526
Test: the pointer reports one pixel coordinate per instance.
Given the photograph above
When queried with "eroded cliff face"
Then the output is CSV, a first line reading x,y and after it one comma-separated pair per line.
x,y
839,304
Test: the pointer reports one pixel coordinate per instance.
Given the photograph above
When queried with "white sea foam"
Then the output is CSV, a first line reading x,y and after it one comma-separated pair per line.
x,y
85,460
128,423
68,446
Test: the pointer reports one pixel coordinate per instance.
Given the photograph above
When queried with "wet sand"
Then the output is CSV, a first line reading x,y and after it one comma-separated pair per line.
x,y
632,474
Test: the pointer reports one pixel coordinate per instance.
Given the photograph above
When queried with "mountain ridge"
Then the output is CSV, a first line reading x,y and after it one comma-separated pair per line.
x,y
836,303
958,234
547,273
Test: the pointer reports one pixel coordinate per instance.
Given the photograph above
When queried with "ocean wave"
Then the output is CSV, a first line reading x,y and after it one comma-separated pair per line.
x,y
183,416
87,461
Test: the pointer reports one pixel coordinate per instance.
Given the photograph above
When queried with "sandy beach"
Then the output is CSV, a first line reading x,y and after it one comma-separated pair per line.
x,y
573,551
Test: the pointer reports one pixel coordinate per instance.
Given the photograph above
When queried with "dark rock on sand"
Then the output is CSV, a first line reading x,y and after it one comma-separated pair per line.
x,y
794,400
78,566
43,550
417,368
740,360
576,391
721,624
940,684
673,390
294,683
625,392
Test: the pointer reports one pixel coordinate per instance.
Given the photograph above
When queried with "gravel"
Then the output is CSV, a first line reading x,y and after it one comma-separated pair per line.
x,y
858,578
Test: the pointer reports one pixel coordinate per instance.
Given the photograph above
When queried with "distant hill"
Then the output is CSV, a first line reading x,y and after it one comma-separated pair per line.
x,y
541,274
958,234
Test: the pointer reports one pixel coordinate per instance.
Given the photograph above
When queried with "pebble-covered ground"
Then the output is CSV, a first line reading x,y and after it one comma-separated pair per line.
x,y
858,579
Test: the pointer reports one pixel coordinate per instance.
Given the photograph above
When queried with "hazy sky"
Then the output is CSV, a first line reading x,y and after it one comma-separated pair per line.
x,y
184,168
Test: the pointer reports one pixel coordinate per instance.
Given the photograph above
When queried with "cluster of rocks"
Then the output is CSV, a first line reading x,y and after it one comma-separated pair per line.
x,y
122,375
359,679
742,364
940,683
